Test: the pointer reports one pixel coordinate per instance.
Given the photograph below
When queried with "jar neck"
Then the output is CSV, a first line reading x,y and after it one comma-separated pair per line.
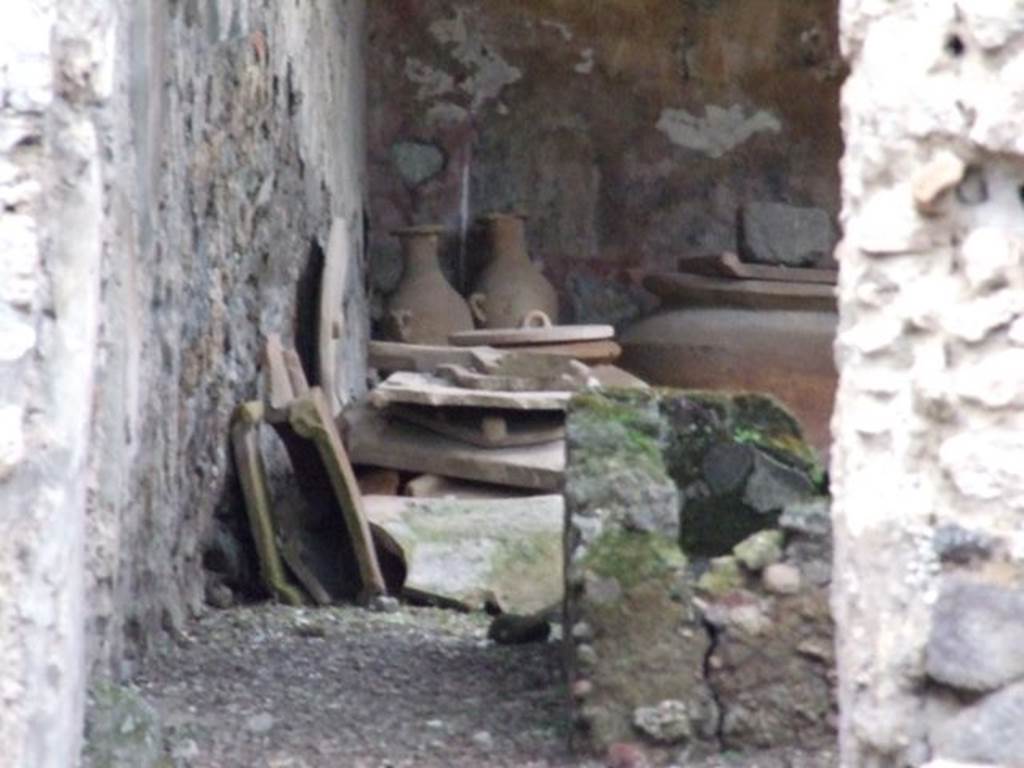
x,y
508,237
419,252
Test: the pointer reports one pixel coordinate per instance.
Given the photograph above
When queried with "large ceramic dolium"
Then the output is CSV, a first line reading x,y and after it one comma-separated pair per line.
x,y
424,309
511,287
738,335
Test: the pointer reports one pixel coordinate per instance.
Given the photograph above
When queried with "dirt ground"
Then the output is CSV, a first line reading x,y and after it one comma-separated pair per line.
x,y
273,687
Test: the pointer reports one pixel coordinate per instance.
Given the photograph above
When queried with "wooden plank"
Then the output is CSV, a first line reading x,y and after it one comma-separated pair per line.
x,y
486,428
728,264
549,334
695,290
252,475
440,487
589,352
310,417
424,389
424,358
331,311
375,439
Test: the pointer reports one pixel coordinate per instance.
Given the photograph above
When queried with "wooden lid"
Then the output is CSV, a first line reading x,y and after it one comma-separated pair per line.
x,y
678,289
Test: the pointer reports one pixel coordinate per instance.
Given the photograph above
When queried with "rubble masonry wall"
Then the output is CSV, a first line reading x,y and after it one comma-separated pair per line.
x,y
928,463
168,175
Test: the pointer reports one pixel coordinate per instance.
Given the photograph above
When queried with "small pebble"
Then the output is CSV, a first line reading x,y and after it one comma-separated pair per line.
x,y
261,723
483,740
781,579
384,604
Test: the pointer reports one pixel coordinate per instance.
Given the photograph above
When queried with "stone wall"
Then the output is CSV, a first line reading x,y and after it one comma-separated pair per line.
x,y
243,138
928,463
632,131
168,174
55,77
697,581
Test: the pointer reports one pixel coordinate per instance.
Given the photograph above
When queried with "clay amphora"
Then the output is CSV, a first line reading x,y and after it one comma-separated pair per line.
x,y
511,287
424,309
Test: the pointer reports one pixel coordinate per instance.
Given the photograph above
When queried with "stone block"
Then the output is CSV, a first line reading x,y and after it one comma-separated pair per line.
x,y
777,233
671,642
976,636
987,731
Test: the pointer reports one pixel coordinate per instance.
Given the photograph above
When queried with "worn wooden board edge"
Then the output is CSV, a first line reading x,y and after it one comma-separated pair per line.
x,y
481,436
331,310
255,491
375,439
424,389
310,417
729,265
552,334
675,288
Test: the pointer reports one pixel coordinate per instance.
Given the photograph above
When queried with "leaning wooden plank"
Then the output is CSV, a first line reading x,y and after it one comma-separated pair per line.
x,y
310,417
253,477
507,551
331,310
425,389
376,439
423,358
279,392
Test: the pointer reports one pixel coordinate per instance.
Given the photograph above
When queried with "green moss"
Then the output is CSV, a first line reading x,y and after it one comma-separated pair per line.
x,y
621,428
632,557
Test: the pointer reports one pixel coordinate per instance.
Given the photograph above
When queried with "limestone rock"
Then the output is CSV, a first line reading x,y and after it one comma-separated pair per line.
x,y
986,732
782,579
475,551
759,551
976,636
773,485
776,233
666,723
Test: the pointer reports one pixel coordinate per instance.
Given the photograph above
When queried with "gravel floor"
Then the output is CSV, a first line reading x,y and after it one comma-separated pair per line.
x,y
273,687
285,688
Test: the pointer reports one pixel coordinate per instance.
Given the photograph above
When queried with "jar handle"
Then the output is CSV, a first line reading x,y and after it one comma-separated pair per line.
x,y
476,306
535,319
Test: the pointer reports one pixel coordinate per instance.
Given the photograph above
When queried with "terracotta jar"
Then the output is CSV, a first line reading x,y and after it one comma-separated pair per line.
x,y
424,309
511,287
742,335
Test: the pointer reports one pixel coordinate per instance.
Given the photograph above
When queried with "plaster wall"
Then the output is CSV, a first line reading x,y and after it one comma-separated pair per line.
x,y
168,175
927,463
631,131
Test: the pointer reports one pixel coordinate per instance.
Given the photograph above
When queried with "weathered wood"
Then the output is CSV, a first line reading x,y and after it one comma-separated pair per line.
x,y
331,310
590,352
252,475
513,337
570,381
439,487
694,290
729,264
425,389
376,439
486,428
310,417
394,356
